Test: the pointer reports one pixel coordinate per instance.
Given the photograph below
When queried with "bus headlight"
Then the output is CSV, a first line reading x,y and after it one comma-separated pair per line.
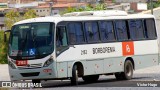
x,y
48,62
11,65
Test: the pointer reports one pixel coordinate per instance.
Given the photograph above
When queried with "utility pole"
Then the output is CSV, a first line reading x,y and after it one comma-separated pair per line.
x,y
151,2
51,7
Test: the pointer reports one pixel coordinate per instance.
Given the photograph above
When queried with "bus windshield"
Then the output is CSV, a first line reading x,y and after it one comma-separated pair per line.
x,y
31,41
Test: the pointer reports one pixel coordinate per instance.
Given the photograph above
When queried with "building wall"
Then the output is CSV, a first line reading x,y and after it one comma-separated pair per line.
x,y
62,1
12,1
3,1
130,1
19,1
27,1
76,1
134,7
41,12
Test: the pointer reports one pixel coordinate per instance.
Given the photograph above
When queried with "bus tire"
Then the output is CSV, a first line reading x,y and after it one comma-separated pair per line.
x,y
128,72
36,81
74,78
90,78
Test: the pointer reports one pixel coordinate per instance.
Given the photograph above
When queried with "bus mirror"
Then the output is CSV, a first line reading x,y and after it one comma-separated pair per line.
x,y
5,35
58,52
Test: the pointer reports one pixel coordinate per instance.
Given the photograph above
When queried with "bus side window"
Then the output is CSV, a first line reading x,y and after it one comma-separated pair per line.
x,y
107,31
136,29
92,33
61,38
75,33
121,30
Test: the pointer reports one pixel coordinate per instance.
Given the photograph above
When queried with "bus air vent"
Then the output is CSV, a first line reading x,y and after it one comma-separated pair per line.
x,y
30,74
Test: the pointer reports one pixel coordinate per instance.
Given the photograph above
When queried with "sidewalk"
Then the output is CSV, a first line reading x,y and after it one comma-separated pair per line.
x,y
4,73
149,70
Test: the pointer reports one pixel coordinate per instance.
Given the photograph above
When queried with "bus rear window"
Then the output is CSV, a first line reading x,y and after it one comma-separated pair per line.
x,y
150,29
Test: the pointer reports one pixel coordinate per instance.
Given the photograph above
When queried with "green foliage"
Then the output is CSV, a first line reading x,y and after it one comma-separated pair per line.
x,y
155,4
113,1
30,14
70,9
3,49
100,7
14,16
11,17
89,7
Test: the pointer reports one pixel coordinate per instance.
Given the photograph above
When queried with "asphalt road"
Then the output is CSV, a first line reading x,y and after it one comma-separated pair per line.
x,y
146,79
110,81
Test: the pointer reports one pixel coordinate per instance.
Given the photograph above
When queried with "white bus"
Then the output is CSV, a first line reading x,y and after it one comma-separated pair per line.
x,y
81,45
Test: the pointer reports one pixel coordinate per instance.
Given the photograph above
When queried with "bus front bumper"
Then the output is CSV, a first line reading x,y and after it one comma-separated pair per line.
x,y
30,74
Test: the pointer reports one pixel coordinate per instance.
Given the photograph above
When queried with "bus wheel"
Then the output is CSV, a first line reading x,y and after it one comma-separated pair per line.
x,y
90,78
36,81
128,72
74,78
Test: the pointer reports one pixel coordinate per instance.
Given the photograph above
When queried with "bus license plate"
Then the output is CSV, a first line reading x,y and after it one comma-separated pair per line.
x,y
21,62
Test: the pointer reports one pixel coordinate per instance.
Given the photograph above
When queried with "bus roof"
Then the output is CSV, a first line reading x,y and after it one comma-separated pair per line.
x,y
98,13
57,19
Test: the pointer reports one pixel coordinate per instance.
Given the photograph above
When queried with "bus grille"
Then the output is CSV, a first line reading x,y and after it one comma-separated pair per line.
x,y
31,66
30,74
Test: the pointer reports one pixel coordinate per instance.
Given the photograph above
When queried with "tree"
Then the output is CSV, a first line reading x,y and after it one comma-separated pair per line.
x,y
88,7
100,6
11,17
30,14
3,49
113,1
14,16
155,4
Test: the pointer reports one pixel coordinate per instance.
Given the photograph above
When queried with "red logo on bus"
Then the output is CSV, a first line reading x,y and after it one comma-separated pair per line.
x,y
127,48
